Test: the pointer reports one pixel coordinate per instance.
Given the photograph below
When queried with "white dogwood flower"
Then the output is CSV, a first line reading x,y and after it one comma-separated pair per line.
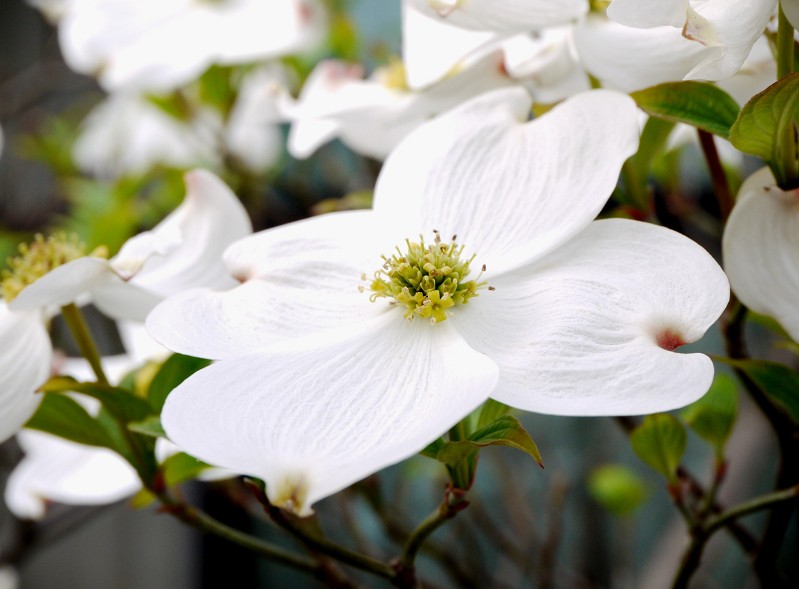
x,y
320,383
440,35
371,116
182,252
760,246
158,46
727,29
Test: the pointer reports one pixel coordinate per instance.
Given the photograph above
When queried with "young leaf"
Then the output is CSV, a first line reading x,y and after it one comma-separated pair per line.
x,y
698,104
64,417
777,381
174,371
490,412
181,467
149,427
505,431
766,128
660,442
713,416
617,488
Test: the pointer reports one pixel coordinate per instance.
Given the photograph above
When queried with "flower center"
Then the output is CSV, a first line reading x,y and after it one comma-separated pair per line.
x,y
40,257
427,280
392,75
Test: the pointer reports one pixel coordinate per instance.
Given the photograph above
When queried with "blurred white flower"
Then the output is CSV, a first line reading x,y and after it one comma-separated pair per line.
x,y
371,116
319,385
725,30
183,251
161,45
128,134
760,248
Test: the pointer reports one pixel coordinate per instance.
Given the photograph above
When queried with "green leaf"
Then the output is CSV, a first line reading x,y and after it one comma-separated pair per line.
x,y
181,467
617,488
698,104
123,405
505,431
490,412
64,417
149,427
778,382
119,408
660,442
766,128
713,416
174,371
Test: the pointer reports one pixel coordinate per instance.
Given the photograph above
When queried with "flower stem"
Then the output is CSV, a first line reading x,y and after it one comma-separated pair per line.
x,y
701,534
720,185
320,544
83,337
204,522
785,48
454,502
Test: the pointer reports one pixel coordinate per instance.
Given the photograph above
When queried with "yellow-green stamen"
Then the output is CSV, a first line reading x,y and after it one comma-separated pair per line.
x,y
427,279
40,257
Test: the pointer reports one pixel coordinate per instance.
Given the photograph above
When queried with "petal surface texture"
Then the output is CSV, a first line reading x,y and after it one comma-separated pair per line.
x,y
730,27
469,172
587,330
24,366
761,250
313,420
300,279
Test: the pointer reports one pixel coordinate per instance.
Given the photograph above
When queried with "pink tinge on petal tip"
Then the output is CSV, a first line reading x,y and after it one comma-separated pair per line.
x,y
669,340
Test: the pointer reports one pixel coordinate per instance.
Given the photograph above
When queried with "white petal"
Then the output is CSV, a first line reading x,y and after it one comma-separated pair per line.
x,y
344,240
586,330
372,116
631,59
313,421
510,189
57,470
185,249
133,45
24,366
300,279
503,15
760,246
728,27
431,49
64,285
648,13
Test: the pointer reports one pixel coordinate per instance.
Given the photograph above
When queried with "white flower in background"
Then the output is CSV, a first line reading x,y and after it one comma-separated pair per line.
x,y
760,246
371,116
547,64
628,58
161,45
320,383
54,469
183,251
128,134
726,29
439,35
252,134
9,578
